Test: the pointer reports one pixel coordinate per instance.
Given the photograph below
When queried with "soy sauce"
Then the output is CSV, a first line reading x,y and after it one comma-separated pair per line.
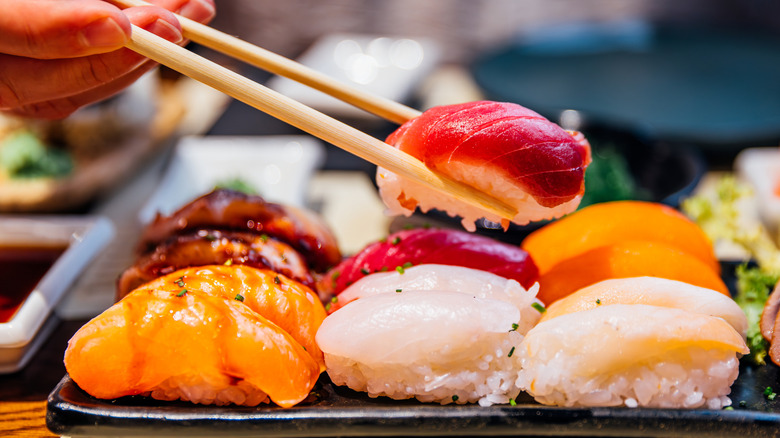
x,y
21,268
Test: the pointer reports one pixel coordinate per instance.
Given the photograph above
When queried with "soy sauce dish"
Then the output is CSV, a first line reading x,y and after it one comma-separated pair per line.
x,y
40,257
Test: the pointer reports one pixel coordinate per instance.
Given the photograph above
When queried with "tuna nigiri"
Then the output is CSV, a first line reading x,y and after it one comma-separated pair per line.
x,y
503,149
432,246
202,335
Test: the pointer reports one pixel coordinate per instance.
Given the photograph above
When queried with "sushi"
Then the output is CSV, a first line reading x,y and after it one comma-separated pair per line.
x,y
432,246
632,355
209,335
503,149
635,342
474,282
402,338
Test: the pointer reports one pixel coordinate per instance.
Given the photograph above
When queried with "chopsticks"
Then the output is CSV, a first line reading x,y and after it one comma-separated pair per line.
x,y
308,119
277,64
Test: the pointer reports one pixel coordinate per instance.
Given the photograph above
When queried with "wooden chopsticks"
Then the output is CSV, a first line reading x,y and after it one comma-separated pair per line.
x,y
277,64
308,119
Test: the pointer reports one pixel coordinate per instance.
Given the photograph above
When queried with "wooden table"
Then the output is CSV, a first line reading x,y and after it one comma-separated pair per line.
x,y
23,394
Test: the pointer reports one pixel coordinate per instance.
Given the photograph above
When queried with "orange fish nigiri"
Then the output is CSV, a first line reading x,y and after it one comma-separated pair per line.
x,y
185,337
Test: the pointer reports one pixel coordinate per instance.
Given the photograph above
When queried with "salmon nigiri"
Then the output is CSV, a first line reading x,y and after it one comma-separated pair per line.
x,y
200,335
499,148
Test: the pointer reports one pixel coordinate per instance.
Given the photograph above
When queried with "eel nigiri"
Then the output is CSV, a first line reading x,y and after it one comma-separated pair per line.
x,y
232,210
432,246
632,355
499,148
209,335
214,247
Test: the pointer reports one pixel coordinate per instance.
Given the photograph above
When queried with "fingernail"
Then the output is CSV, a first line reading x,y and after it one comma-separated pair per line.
x,y
197,10
166,30
104,32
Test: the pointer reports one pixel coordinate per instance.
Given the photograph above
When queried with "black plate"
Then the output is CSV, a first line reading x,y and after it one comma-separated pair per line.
x,y
338,411
716,87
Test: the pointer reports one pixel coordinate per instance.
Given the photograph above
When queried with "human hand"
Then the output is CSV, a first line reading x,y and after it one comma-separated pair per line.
x,y
59,55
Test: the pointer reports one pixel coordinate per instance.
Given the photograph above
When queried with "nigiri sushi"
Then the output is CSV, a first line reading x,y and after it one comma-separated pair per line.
x,y
474,282
632,355
435,346
499,148
214,247
652,291
202,335
433,332
432,246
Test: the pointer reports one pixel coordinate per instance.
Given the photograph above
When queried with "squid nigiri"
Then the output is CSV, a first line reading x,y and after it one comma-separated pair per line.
x,y
436,346
474,282
500,148
209,335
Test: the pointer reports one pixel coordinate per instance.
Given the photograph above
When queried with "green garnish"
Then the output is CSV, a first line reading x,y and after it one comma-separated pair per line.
x,y
728,408
277,280
742,403
598,301
264,237
364,271
539,307
396,240
180,281
407,265
454,398
334,300
238,185
399,290
239,297
24,155
512,402
514,326
400,269
383,269
511,352
328,306
753,288
181,293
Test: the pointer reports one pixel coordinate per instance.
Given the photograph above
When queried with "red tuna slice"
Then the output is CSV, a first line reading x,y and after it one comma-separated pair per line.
x,y
543,159
437,246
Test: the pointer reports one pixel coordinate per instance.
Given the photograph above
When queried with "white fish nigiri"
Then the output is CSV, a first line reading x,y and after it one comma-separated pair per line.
x,y
440,346
633,355
474,282
652,291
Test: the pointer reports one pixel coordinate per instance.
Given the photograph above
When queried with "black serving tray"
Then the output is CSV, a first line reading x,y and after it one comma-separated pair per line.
x,y
338,411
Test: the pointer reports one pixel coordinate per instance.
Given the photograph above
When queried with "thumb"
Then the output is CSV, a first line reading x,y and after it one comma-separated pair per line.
x,y
47,29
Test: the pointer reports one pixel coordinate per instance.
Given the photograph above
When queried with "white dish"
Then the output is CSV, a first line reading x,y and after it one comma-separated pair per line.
x,y
761,168
383,66
82,238
278,167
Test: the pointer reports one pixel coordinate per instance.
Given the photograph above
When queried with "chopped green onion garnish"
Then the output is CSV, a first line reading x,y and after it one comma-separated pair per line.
x,y
514,326
181,293
399,290
512,402
598,301
454,398
511,352
539,307
277,280
728,408
334,300
396,240
407,265
364,271
239,297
